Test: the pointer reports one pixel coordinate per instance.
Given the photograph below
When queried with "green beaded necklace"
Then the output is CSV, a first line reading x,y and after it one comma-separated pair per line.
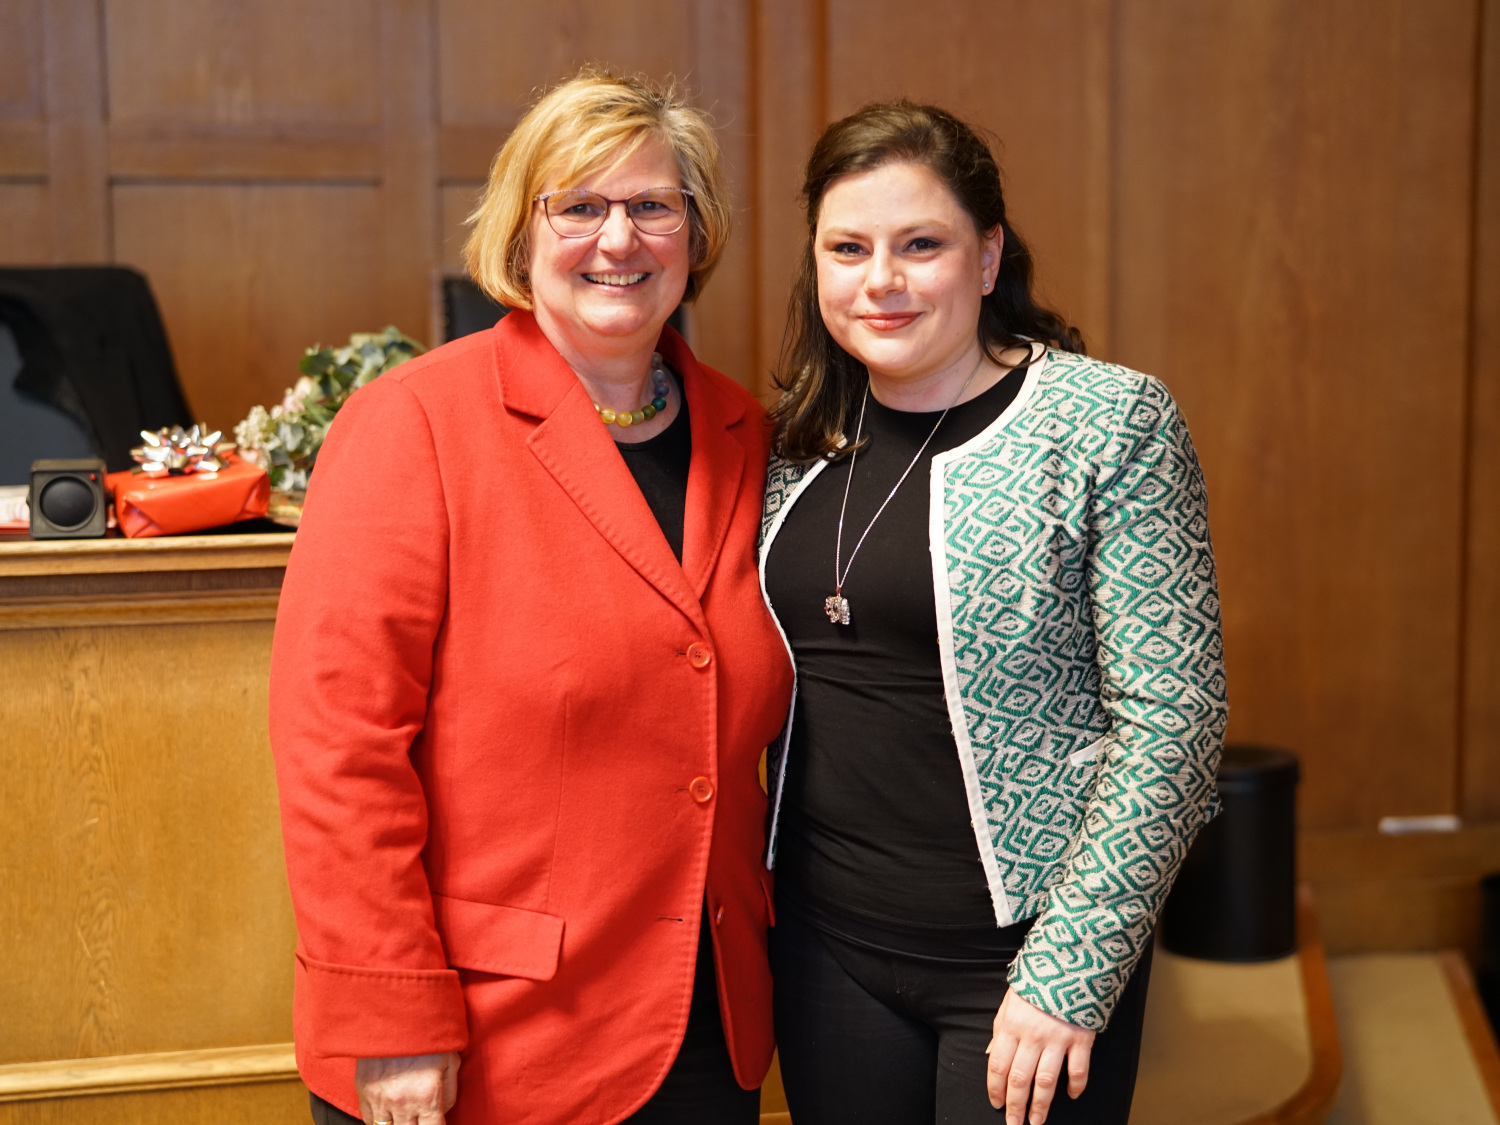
x,y
659,388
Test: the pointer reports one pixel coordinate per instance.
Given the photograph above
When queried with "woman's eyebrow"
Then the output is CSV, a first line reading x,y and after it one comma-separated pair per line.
x,y
902,232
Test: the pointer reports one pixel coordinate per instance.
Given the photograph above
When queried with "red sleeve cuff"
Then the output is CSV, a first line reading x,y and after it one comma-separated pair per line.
x,y
355,1012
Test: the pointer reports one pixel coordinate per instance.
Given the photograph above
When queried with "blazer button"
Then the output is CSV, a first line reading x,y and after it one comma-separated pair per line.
x,y
718,915
698,655
701,788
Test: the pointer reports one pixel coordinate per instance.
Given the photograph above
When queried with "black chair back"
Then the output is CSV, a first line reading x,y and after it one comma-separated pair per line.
x,y
93,357
467,309
31,430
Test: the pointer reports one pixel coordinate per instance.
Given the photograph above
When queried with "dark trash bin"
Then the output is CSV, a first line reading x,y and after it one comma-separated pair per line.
x,y
1236,896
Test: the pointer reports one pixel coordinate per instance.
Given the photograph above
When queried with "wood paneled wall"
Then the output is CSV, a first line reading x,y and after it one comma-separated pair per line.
x,y
1302,283
1287,209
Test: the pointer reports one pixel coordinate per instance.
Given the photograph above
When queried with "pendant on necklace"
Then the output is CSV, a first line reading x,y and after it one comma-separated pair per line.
x,y
837,608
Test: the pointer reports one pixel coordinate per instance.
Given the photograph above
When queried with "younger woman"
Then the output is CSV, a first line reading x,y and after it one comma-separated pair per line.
x,y
989,557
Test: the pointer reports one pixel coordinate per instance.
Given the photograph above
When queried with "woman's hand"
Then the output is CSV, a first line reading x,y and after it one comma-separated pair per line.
x,y
1027,1056
412,1090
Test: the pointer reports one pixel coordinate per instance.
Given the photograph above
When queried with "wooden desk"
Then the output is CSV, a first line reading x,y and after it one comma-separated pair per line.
x,y
146,933
148,976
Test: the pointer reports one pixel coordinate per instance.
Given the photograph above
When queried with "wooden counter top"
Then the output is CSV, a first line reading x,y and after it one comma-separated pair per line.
x,y
26,557
170,580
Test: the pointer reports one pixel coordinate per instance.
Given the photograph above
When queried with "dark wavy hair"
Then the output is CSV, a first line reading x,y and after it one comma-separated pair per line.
x,y
820,382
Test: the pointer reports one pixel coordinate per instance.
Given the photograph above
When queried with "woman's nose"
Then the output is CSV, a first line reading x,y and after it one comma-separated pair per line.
x,y
883,274
618,234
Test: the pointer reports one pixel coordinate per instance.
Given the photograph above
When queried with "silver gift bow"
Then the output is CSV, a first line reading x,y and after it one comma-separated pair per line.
x,y
177,451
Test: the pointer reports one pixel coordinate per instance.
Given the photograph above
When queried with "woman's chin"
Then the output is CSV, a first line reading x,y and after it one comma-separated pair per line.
x,y
886,364
892,356
615,317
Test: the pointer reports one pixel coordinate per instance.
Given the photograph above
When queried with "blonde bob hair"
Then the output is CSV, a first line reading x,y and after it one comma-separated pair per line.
x,y
592,122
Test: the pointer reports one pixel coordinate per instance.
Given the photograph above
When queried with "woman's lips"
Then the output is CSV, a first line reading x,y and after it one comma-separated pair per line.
x,y
888,322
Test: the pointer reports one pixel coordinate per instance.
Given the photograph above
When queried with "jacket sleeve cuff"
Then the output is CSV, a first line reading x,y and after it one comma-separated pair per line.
x,y
1037,977
356,1012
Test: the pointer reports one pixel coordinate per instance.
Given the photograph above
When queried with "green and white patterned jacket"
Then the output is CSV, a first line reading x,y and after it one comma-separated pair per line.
x,y
1078,621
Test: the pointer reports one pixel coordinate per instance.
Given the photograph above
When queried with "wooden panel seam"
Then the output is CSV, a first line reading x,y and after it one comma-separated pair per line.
x,y
241,153
1479,761
1337,855
77,142
1468,400
409,203
165,1070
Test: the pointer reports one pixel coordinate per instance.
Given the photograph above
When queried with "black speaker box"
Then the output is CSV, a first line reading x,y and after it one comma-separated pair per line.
x,y
68,500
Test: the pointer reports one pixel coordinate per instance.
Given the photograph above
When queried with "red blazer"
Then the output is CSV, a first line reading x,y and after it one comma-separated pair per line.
x,y
517,743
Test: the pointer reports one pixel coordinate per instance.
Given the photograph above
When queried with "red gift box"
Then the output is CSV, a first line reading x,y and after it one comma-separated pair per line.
x,y
171,505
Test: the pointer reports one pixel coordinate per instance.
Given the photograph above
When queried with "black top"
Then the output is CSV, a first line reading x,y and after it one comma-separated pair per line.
x,y
875,821
660,468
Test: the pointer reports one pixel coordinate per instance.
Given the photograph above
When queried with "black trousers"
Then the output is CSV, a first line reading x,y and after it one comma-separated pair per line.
x,y
887,1038
699,1089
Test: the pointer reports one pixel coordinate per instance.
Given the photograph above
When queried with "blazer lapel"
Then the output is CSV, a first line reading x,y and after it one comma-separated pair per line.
x,y
717,466
578,452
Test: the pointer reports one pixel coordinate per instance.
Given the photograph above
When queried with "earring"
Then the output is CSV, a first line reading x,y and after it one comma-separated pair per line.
x,y
986,286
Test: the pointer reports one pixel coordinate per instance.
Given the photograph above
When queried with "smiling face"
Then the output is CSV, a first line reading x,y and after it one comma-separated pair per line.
x,y
901,272
604,296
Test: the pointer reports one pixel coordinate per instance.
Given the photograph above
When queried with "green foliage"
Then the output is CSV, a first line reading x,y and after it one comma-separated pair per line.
x,y
285,439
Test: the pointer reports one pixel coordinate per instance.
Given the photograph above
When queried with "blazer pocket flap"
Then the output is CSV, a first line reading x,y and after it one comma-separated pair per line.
x,y
504,940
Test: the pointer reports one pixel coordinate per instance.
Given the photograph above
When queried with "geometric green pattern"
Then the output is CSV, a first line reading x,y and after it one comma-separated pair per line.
x,y
1083,661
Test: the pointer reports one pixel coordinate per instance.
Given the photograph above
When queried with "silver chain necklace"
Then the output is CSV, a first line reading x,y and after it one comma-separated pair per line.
x,y
837,606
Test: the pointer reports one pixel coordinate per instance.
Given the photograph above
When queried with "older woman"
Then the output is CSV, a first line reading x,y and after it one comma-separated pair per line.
x,y
523,674
990,558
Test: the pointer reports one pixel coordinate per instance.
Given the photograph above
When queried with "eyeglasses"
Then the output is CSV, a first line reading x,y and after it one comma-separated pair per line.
x,y
575,213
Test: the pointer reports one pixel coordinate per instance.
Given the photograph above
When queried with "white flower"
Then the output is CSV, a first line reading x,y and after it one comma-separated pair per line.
x,y
251,434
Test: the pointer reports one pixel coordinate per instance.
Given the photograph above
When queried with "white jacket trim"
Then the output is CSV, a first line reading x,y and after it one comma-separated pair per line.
x,y
776,786
953,696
